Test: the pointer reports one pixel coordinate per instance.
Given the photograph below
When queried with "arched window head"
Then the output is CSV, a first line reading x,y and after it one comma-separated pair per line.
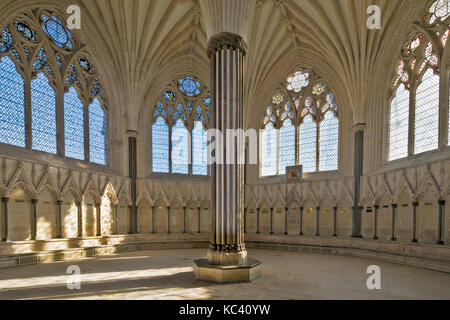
x,y
300,127
53,63
417,75
181,118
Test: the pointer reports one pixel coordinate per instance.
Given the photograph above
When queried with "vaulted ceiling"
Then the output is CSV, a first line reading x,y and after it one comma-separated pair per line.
x,y
144,43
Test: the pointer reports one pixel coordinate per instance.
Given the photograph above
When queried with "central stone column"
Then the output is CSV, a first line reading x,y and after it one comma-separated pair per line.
x,y
227,260
227,247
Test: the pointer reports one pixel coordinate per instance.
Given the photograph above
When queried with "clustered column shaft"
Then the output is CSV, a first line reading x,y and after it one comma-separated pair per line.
x,y
227,52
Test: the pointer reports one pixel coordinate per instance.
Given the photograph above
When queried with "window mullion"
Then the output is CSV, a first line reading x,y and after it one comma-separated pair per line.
x,y
317,146
28,114
278,149
297,145
443,110
412,121
87,155
170,148
60,130
191,151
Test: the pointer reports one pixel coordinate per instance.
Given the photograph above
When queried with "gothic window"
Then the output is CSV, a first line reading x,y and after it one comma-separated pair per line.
x,y
269,151
12,104
427,114
97,132
415,123
160,146
180,148
329,133
399,119
199,150
301,127
308,144
34,62
43,110
179,132
287,146
74,125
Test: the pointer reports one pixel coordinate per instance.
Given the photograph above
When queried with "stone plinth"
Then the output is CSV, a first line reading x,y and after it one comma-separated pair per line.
x,y
248,272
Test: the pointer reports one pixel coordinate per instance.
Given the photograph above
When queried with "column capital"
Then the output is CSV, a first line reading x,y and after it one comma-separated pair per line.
x,y
34,201
441,202
59,202
415,204
6,199
132,134
228,40
394,206
359,127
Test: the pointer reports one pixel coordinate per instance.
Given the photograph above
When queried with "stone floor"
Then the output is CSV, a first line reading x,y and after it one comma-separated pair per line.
x,y
168,275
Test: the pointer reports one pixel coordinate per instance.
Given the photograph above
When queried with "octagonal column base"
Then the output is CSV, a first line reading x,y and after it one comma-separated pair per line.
x,y
249,272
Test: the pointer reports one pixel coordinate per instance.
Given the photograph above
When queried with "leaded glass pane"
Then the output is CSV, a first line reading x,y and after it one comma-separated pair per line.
x,y
43,110
287,146
269,151
97,133
329,143
160,146
12,104
398,125
199,150
308,145
427,114
180,148
74,125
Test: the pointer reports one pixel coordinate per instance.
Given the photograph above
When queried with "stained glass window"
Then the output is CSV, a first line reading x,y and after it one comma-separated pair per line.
x,y
440,10
74,125
398,127
427,114
329,143
319,89
189,86
412,47
298,81
55,29
180,148
12,104
25,31
308,145
187,114
97,133
269,151
287,146
199,150
160,146
43,111
278,99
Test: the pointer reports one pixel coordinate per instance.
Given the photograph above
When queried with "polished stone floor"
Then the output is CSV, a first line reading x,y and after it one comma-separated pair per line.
x,y
168,275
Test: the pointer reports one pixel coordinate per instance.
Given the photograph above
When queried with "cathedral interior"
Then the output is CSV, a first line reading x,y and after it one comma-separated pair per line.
x,y
110,114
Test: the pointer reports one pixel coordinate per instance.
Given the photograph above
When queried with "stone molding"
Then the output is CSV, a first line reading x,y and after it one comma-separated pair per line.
x,y
228,40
